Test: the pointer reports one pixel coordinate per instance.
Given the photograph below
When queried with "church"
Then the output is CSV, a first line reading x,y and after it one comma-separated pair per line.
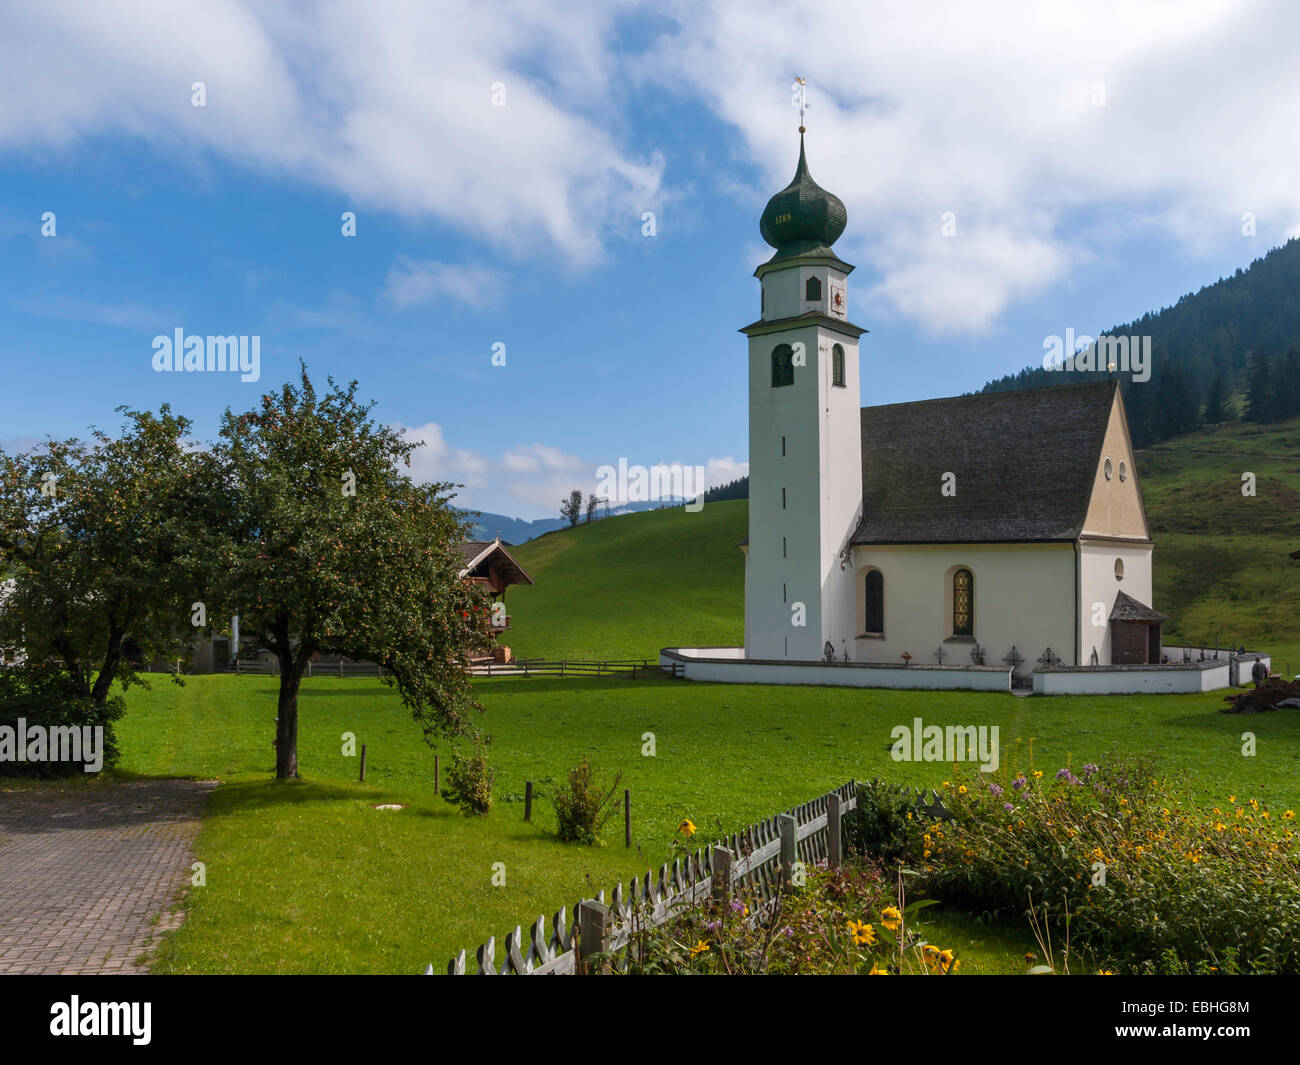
x,y
1003,529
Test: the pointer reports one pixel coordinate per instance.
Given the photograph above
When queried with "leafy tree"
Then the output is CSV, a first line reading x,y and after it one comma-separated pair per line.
x,y
105,543
571,508
330,549
592,504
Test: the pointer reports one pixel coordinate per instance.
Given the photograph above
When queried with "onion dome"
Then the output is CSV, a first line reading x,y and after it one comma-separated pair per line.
x,y
803,216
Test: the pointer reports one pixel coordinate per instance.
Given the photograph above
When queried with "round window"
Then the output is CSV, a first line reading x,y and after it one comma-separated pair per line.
x,y
1106,468
1119,569
1123,472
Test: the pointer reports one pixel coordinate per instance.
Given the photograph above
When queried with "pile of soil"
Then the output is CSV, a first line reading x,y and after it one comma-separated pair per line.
x,y
1274,694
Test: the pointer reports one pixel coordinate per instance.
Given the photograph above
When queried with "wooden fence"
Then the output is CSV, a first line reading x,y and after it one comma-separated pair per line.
x,y
536,667
756,860
271,666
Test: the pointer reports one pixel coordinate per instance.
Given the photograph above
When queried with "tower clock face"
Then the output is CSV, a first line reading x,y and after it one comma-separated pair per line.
x,y
837,300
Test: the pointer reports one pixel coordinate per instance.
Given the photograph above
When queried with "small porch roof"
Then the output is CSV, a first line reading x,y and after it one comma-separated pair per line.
x,y
1127,608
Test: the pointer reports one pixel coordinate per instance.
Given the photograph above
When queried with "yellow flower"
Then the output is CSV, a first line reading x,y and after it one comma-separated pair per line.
x,y
961,790
1232,798
1038,774
877,971
863,934
890,918
686,828
699,948
1102,972
1289,815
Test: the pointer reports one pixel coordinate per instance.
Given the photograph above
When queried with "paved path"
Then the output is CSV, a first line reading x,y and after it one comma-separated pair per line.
x,y
84,871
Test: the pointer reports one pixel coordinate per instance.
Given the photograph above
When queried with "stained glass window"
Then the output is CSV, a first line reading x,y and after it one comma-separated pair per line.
x,y
963,603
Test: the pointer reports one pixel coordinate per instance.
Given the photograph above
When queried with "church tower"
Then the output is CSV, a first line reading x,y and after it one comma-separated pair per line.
x,y
805,433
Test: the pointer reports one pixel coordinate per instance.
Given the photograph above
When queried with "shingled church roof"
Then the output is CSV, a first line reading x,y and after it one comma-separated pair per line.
x,y
1025,463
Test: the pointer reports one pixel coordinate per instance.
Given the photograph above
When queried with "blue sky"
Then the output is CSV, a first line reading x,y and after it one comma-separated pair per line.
x,y
1095,167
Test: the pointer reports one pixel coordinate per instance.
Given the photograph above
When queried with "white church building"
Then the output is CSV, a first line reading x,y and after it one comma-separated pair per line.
x,y
985,541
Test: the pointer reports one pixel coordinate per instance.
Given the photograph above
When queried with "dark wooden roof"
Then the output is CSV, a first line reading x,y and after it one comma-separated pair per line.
x,y
1127,608
1025,463
476,551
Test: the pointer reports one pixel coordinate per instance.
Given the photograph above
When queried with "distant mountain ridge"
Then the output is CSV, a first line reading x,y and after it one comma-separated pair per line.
x,y
484,525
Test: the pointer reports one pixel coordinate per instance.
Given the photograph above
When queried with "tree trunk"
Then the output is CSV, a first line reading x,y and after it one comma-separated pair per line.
x,y
108,671
286,725
292,667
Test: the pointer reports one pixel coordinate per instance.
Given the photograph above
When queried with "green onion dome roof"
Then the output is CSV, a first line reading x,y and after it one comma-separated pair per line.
x,y
803,215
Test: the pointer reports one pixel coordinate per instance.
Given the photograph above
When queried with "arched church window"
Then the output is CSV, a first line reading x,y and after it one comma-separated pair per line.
x,y
875,602
812,289
837,366
963,603
782,365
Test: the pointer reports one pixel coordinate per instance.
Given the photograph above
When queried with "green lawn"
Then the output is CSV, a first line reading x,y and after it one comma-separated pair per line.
x,y
308,877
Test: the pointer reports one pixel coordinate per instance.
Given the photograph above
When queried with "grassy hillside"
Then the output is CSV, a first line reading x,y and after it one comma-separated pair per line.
x,y
1221,562
628,585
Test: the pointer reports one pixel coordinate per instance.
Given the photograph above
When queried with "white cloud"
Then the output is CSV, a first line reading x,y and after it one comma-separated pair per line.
x,y
412,281
986,110
533,457
390,109
528,480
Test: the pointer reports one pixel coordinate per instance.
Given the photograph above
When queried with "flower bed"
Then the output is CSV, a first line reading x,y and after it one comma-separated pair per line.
x,y
1138,880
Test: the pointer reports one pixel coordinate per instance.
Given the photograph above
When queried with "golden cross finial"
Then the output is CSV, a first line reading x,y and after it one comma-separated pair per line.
x,y
801,96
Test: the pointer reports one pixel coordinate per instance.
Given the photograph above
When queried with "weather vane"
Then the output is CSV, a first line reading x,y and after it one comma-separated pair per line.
x,y
801,99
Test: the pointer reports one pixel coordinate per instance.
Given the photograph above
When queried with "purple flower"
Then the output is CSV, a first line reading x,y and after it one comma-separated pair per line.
x,y
788,932
712,926
737,905
1089,769
1063,774
1019,783
996,789
1008,807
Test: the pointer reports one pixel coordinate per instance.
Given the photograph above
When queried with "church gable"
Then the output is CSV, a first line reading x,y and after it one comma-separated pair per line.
x,y
1023,465
1116,507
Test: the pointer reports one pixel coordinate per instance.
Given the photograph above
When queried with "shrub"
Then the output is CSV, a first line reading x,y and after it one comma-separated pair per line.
x,y
44,695
585,808
1151,885
881,823
469,780
845,921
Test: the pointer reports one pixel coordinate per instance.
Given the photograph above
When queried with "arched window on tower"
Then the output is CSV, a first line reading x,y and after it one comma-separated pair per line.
x,y
875,603
782,366
812,289
837,366
963,603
